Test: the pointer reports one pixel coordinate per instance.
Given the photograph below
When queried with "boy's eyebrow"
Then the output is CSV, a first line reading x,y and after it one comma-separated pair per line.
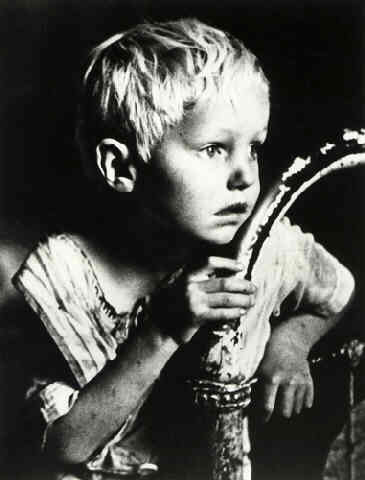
x,y
196,135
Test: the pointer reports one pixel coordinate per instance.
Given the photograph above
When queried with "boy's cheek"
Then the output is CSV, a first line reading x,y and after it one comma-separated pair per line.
x,y
255,196
258,189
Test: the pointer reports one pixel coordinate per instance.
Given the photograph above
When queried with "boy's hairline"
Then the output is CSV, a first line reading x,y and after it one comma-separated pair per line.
x,y
235,65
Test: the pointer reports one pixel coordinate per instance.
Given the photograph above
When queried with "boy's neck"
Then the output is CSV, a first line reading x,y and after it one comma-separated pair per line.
x,y
132,235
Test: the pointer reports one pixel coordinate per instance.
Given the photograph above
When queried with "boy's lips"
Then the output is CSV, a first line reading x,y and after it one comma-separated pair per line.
x,y
233,209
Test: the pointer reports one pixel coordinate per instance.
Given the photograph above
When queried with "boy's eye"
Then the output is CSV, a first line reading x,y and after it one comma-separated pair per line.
x,y
213,150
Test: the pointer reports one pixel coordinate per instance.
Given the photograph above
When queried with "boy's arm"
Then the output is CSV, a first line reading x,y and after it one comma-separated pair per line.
x,y
176,313
107,401
323,288
286,384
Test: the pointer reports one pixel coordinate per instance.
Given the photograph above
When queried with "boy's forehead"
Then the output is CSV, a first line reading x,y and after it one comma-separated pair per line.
x,y
247,105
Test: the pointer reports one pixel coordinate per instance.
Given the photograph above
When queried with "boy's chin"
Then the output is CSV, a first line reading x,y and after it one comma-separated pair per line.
x,y
223,236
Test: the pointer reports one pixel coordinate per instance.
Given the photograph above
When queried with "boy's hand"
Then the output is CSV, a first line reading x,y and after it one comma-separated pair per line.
x,y
203,295
285,382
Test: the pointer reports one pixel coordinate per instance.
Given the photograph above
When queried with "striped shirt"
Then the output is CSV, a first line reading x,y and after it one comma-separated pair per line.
x,y
58,281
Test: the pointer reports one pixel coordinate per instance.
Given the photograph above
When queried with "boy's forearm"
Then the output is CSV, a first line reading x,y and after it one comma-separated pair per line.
x,y
305,329
110,398
284,371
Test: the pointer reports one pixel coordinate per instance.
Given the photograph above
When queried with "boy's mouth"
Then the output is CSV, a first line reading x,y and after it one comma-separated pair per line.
x,y
234,209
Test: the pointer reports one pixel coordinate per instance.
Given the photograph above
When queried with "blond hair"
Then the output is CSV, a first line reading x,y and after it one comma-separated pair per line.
x,y
141,82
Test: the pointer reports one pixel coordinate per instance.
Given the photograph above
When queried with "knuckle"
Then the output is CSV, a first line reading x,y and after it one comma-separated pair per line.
x,y
225,300
273,380
197,320
191,289
292,382
225,316
268,409
196,307
194,299
222,284
237,313
308,386
247,302
230,315
211,261
286,413
306,382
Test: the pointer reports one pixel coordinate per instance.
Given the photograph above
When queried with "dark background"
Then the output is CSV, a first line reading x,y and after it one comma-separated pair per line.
x,y
312,51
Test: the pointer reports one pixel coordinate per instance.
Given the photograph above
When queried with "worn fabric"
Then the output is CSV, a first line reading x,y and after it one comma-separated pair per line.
x,y
57,279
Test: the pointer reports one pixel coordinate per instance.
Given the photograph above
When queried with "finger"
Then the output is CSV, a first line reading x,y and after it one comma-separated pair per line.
x,y
309,396
200,275
213,265
229,284
230,300
222,314
216,263
269,394
299,398
286,399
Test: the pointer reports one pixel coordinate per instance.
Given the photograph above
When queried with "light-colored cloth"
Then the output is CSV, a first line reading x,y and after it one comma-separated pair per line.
x,y
60,285
58,281
293,272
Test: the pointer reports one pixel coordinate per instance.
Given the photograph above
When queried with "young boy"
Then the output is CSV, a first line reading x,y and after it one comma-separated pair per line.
x,y
171,121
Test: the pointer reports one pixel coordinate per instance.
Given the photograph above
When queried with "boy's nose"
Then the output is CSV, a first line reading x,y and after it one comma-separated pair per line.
x,y
243,175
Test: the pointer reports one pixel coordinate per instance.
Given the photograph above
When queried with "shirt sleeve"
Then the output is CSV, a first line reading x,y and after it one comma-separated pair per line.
x,y
313,279
52,400
58,283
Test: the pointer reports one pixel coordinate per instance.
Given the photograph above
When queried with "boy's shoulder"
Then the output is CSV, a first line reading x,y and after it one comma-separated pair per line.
x,y
285,254
58,283
286,237
16,239
56,255
285,227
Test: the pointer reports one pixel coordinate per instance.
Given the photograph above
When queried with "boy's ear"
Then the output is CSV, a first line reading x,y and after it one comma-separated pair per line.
x,y
115,164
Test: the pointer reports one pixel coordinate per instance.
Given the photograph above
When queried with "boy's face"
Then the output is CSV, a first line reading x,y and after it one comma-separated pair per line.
x,y
205,179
